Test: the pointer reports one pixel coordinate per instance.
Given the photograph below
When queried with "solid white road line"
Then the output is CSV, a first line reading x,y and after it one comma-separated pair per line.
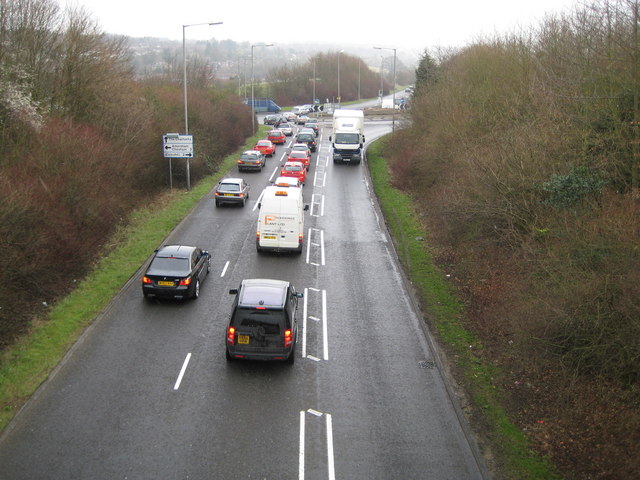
x,y
330,463
301,448
224,270
324,325
304,323
184,368
308,246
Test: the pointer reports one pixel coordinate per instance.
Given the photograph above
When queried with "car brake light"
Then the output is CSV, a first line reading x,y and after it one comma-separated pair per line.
x,y
300,238
146,280
288,338
185,282
231,335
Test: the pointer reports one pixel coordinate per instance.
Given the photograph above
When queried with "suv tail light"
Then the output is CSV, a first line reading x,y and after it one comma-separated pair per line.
x,y
288,338
231,335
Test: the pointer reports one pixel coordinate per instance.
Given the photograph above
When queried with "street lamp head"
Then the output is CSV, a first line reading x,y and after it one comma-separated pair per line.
x,y
198,24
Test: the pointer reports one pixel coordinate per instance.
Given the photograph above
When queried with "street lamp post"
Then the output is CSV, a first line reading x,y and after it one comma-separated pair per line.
x,y
339,99
184,83
253,112
393,117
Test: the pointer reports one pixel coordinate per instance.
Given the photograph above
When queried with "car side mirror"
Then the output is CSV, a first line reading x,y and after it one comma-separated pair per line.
x,y
330,138
233,291
299,294
259,205
306,207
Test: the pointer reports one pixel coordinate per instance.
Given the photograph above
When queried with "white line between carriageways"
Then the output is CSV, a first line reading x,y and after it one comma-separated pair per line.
x,y
331,474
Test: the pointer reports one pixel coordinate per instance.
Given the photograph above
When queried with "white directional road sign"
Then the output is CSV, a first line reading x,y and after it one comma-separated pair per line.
x,y
175,145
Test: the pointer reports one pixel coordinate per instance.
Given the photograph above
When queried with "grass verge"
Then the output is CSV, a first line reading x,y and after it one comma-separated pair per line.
x,y
513,456
25,365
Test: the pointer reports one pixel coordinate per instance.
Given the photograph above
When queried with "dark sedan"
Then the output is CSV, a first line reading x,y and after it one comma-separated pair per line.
x,y
176,271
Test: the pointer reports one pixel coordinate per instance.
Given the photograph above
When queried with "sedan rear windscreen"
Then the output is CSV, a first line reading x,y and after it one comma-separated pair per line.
x,y
169,266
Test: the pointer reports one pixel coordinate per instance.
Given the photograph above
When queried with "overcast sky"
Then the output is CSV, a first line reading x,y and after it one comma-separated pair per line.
x,y
403,25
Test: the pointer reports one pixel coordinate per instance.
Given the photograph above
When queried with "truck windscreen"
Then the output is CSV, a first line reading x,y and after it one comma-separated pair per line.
x,y
347,138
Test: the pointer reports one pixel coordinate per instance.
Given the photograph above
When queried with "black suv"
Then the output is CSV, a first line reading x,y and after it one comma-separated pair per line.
x,y
263,323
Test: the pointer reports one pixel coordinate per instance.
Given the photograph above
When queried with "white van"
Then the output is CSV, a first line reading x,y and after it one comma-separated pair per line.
x,y
281,220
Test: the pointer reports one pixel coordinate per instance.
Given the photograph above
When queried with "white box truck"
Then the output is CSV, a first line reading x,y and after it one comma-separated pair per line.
x,y
281,220
347,139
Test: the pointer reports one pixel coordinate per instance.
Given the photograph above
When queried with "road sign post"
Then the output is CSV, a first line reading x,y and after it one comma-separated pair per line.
x,y
175,145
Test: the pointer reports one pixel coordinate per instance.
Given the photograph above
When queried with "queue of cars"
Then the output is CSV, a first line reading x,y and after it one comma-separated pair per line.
x,y
263,323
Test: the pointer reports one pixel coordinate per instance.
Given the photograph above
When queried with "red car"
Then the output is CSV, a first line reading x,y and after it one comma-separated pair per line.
x,y
266,147
276,136
296,170
299,156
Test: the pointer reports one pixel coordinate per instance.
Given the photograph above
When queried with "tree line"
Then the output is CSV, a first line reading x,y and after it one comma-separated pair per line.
x,y
523,158
81,140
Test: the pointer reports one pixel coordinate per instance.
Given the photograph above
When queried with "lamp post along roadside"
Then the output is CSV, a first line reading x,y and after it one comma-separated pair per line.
x,y
393,115
184,83
339,99
253,107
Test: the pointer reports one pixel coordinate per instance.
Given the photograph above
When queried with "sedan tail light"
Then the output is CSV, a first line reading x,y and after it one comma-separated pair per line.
x,y
288,338
146,280
231,335
185,282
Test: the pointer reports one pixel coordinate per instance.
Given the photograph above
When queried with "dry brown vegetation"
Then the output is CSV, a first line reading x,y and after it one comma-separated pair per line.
x,y
81,141
523,160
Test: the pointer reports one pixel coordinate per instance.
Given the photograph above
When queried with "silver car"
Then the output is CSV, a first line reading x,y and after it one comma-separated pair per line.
x,y
286,128
251,160
232,190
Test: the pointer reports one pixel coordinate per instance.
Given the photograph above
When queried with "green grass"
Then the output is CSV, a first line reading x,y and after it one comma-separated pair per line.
x,y
24,366
509,444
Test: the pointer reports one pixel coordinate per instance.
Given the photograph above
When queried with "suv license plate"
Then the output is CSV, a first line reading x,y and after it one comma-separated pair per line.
x,y
243,339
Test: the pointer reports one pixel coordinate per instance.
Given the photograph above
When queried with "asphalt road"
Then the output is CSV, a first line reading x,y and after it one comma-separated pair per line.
x,y
147,392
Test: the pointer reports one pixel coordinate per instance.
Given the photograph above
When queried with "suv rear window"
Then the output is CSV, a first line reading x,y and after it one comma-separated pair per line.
x,y
263,295
269,320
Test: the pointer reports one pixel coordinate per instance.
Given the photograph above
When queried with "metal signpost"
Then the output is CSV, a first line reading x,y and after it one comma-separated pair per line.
x,y
175,145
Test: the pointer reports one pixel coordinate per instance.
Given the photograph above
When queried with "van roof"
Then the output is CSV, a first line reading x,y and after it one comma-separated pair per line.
x,y
273,192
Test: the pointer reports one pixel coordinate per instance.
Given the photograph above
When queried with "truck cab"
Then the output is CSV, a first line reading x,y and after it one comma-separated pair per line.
x,y
347,139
